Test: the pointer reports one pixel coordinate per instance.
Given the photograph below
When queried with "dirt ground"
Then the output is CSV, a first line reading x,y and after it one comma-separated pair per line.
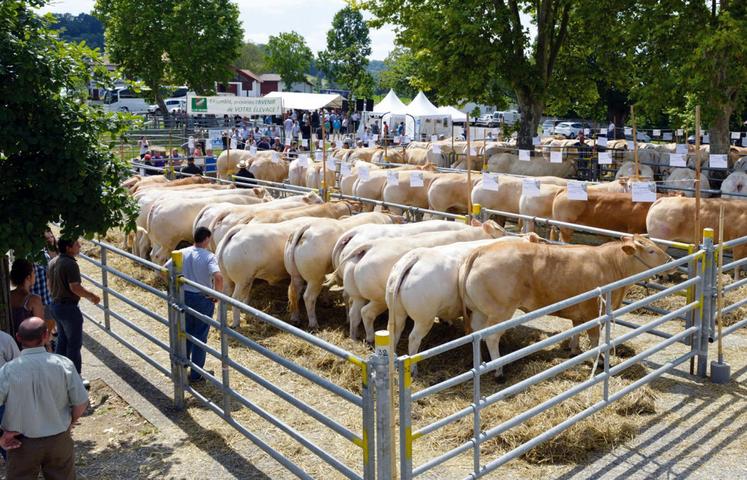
x,y
682,427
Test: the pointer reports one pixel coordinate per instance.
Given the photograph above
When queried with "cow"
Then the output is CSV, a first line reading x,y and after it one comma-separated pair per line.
x,y
672,218
538,166
308,257
508,196
627,170
269,168
255,251
736,182
243,214
320,210
496,280
367,268
227,163
210,213
170,220
314,175
685,178
448,192
404,193
373,187
347,182
423,285
609,210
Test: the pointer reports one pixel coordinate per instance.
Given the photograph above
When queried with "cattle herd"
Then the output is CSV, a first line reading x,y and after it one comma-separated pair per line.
x,y
427,270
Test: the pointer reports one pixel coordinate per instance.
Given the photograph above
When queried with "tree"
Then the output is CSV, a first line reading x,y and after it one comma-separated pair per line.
x,y
289,56
400,73
80,28
475,48
252,57
173,41
348,47
56,162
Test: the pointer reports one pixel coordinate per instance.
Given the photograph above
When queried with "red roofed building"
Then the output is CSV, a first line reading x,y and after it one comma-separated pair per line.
x,y
246,83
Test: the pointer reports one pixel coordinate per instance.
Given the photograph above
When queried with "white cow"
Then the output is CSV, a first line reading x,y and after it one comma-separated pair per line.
x,y
308,257
685,178
423,285
368,267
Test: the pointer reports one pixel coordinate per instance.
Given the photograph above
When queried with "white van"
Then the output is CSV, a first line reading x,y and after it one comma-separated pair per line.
x,y
124,99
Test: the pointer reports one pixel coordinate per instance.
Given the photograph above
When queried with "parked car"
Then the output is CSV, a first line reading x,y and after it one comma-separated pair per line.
x,y
568,129
548,127
172,104
492,120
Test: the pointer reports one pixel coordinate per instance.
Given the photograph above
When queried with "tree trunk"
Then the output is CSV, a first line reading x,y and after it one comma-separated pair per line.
x,y
164,111
5,312
719,132
531,112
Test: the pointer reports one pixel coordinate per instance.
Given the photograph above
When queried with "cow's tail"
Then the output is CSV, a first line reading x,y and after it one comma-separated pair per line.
x,y
462,283
355,255
290,265
198,218
393,288
339,245
220,250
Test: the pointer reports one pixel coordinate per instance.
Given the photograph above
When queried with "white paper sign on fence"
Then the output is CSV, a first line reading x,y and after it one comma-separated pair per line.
x,y
303,161
396,139
667,136
345,169
577,190
603,131
601,141
680,132
375,137
706,138
288,141
556,157
416,179
644,192
604,158
630,144
363,172
535,141
392,178
371,143
677,160
736,135
472,152
628,131
524,155
234,143
718,161
681,148
275,157
331,164
305,142
434,138
530,187
252,150
405,139
587,131
436,148
657,132
321,143
490,182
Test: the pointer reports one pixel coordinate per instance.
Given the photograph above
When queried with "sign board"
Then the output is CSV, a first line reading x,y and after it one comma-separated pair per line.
x,y
416,179
556,157
706,138
644,192
345,169
577,190
677,160
234,143
392,178
628,131
680,132
524,155
657,132
718,161
681,148
667,136
436,148
275,157
535,141
363,172
305,142
490,182
736,135
331,163
472,152
530,187
630,144
230,105
601,141
303,161
604,158
434,138
215,137
253,150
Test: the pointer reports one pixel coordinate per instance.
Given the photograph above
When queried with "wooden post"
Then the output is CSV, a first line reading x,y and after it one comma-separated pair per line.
x,y
469,174
697,172
635,143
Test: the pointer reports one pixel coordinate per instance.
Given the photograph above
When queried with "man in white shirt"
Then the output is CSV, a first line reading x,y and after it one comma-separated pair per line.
x,y
200,266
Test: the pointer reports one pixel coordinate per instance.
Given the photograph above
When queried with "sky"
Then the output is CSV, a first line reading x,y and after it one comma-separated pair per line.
x,y
262,18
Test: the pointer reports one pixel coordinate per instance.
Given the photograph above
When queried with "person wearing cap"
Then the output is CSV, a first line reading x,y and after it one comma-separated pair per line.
x,y
44,397
244,176
146,161
191,168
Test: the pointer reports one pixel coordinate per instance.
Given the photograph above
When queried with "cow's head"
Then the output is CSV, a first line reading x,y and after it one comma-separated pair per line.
x,y
493,229
643,253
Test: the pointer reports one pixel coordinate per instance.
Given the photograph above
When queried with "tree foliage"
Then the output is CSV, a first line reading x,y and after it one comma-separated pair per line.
x,y
190,42
55,161
400,73
346,57
289,56
80,28
252,57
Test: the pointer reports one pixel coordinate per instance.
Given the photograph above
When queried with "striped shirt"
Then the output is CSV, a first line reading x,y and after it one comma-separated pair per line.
x,y
40,283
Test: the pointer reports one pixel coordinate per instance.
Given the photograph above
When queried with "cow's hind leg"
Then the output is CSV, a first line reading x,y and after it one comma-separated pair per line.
x,y
241,293
294,295
309,298
354,315
493,341
369,314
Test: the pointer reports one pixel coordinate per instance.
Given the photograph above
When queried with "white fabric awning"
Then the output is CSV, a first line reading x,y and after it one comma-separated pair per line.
x,y
390,104
456,115
308,101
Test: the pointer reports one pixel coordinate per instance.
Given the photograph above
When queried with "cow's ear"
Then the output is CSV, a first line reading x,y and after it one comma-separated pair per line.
x,y
628,248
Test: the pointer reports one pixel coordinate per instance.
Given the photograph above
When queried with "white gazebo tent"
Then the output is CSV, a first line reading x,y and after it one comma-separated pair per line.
x,y
390,110
457,116
428,119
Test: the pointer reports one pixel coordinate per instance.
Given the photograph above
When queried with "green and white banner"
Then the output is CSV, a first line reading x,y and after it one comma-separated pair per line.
x,y
230,105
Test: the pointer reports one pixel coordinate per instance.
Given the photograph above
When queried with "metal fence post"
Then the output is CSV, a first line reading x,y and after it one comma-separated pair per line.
x,y
405,418
105,289
177,338
369,418
223,318
384,438
707,295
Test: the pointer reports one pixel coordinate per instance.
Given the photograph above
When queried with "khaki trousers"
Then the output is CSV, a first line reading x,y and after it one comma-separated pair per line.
x,y
52,455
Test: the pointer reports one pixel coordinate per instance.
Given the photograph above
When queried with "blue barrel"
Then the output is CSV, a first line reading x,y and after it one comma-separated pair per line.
x,y
211,165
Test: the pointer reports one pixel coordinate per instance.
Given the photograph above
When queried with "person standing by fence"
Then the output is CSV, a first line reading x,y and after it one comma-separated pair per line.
x,y
65,284
200,266
43,397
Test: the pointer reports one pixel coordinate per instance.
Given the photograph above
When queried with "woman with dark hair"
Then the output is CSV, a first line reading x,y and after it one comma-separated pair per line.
x,y
23,303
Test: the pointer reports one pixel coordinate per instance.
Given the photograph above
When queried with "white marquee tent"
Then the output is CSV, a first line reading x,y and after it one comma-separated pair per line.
x,y
428,119
457,116
308,101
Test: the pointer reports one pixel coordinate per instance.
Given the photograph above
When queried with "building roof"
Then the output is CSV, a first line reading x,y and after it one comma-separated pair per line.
x,y
269,77
248,73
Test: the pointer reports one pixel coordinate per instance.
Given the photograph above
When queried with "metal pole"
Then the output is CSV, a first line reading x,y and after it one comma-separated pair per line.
x,y
325,193
405,418
105,289
697,171
385,462
720,283
635,143
177,336
469,172
369,419
706,328
609,315
476,362
223,318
